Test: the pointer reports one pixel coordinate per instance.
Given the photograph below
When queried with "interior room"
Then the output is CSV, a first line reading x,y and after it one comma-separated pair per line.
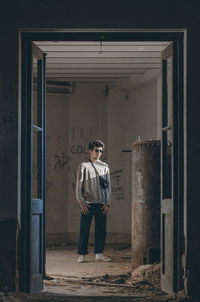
x,y
105,90
22,231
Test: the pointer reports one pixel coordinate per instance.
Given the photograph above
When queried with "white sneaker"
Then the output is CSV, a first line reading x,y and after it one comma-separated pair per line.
x,y
81,258
101,257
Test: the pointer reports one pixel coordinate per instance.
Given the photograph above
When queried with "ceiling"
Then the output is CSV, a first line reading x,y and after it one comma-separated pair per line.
x,y
83,61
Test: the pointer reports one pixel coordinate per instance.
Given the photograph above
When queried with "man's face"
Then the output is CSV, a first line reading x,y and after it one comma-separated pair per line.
x,y
96,153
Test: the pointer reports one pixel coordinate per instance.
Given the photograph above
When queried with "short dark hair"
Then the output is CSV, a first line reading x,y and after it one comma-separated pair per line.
x,y
96,143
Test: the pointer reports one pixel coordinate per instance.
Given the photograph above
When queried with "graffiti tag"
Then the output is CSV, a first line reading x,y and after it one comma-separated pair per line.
x,y
61,160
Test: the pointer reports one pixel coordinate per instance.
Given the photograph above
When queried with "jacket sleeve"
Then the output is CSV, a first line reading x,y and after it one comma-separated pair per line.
x,y
80,175
108,189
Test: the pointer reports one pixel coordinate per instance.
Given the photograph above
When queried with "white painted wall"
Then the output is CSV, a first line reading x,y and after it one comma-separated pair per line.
x,y
119,225
57,162
71,123
87,120
142,113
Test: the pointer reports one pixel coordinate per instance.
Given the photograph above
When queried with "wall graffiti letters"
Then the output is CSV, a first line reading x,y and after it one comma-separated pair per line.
x,y
83,132
117,190
78,149
61,160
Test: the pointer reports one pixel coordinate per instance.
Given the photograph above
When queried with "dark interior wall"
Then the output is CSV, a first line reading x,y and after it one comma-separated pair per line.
x,y
193,163
104,14
8,172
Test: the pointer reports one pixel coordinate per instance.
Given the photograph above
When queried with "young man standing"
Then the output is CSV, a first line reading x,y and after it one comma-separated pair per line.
x,y
93,192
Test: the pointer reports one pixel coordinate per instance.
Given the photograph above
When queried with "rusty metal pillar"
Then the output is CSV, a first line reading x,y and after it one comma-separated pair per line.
x,y
145,202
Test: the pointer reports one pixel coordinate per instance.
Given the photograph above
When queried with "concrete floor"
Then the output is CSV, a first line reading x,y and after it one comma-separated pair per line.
x,y
93,279
85,282
61,264
63,261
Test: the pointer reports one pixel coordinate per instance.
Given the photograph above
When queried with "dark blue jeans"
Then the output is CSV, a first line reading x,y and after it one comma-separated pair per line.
x,y
95,210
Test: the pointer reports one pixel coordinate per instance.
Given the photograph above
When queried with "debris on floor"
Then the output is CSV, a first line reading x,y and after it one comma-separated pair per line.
x,y
146,283
149,273
66,276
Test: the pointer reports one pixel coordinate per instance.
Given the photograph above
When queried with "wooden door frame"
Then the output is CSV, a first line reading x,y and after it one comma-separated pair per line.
x,y
30,35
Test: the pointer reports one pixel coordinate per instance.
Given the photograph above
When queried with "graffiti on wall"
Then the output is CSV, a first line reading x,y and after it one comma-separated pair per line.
x,y
78,149
81,136
83,132
117,189
61,160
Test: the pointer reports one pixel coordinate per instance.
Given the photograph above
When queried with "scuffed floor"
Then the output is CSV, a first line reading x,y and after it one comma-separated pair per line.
x,y
62,261
67,277
67,280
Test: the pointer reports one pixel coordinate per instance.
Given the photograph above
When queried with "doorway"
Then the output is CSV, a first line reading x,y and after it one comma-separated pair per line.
x,y
111,92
